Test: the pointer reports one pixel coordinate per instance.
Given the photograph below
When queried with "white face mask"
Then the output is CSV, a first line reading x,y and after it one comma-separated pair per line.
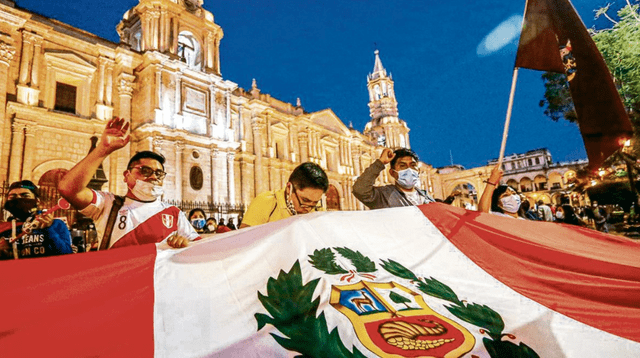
x,y
145,191
559,215
511,203
408,178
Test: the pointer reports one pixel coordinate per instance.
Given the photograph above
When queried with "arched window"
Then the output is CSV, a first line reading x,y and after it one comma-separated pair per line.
x,y
377,90
136,40
189,50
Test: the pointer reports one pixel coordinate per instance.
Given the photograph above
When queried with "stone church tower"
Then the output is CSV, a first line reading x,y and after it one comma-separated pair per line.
x,y
385,128
223,144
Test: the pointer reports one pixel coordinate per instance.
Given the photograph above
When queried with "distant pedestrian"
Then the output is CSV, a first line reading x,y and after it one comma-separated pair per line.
x,y
544,211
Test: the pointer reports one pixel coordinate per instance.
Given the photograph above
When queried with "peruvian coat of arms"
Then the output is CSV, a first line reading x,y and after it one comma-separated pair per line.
x,y
388,318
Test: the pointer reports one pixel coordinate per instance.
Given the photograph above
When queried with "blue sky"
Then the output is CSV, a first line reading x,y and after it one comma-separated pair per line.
x,y
453,97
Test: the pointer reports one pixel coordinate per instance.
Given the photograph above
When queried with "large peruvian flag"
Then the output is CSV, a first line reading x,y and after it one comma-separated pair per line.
x,y
430,281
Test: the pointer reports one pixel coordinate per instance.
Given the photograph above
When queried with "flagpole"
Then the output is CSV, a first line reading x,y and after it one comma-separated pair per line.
x,y
505,134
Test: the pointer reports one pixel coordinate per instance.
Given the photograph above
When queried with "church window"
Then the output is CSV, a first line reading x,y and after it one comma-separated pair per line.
x,y
65,98
529,161
189,50
537,160
196,178
136,41
384,89
377,91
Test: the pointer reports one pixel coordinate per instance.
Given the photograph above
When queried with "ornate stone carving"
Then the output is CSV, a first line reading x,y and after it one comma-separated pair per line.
x,y
7,52
125,87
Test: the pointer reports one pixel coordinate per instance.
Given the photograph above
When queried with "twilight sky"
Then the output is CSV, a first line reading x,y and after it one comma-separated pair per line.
x,y
451,61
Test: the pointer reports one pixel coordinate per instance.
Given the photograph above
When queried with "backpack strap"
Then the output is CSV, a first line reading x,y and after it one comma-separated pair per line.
x,y
118,201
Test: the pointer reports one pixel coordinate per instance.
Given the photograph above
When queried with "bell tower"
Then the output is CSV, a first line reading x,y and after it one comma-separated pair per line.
x,y
385,127
181,29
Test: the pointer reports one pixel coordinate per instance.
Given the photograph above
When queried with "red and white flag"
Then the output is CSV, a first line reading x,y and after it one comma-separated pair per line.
x,y
430,281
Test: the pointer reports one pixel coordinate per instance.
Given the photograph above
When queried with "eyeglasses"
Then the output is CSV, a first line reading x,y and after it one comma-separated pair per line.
x,y
310,205
147,172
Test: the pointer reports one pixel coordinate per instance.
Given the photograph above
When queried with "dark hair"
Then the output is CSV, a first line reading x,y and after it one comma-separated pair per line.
x,y
212,219
524,207
401,153
193,211
26,184
309,175
495,198
146,154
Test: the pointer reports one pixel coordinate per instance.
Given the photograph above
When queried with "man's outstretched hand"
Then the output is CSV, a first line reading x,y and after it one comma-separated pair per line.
x,y
114,136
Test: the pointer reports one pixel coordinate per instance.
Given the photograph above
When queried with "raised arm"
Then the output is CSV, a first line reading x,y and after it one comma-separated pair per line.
x,y
485,200
73,186
363,186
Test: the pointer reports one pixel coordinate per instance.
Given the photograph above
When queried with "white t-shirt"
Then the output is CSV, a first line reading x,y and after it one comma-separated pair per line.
x,y
138,222
414,197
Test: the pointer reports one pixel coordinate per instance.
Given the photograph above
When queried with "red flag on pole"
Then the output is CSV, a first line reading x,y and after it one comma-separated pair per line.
x,y
555,39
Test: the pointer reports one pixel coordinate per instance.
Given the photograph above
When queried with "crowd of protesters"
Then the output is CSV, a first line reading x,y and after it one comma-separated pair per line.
x,y
141,217
501,199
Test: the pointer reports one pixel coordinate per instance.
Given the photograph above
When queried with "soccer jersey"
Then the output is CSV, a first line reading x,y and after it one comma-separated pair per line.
x,y
138,223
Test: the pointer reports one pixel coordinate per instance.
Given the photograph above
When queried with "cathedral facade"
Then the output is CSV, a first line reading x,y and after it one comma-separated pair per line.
x,y
224,144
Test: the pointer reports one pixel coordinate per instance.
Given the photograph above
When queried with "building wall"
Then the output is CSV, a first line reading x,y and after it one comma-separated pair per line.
x,y
246,141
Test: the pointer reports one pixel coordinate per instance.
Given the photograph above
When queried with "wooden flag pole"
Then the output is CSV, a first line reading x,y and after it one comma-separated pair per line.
x,y
505,134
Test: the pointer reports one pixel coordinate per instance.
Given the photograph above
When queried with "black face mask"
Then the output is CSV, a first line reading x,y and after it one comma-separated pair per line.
x,y
21,209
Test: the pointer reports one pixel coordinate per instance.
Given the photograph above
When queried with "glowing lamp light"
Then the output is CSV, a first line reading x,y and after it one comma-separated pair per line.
x,y
602,172
593,183
627,143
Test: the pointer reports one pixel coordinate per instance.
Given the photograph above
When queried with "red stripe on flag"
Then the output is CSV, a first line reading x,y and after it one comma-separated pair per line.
x,y
88,305
589,276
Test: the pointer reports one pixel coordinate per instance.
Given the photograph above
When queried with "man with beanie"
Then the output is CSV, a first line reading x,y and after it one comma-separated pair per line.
x,y
34,234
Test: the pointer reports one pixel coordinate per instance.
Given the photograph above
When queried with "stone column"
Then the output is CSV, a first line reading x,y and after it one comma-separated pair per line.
x,y
109,84
27,49
357,167
174,37
222,177
125,93
215,195
101,72
29,150
178,170
17,142
303,141
231,179
7,52
155,17
163,30
210,50
35,66
245,182
146,31
258,127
